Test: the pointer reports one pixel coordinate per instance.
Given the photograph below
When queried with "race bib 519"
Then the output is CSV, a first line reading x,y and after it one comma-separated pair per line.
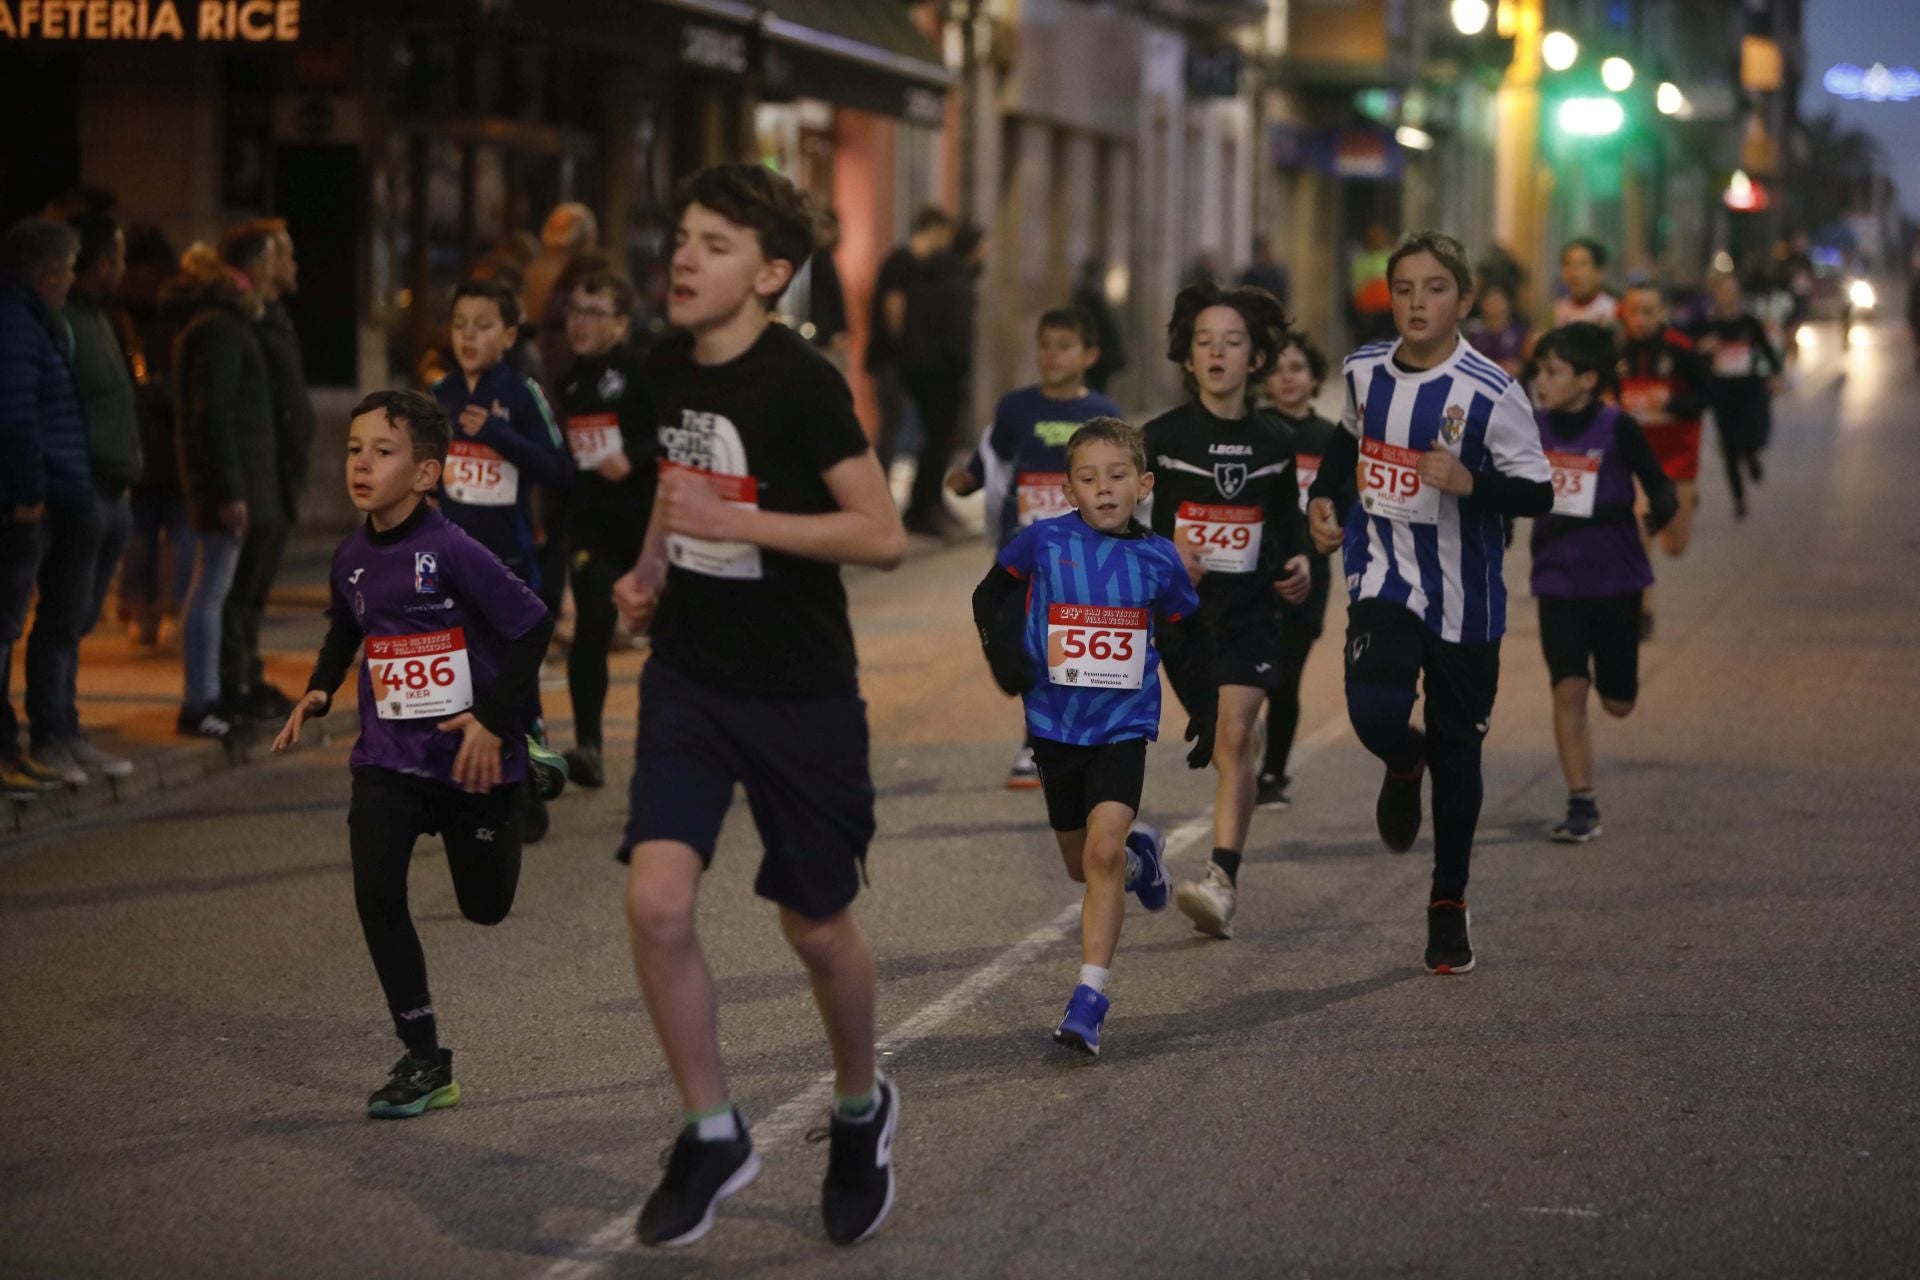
x,y
1391,486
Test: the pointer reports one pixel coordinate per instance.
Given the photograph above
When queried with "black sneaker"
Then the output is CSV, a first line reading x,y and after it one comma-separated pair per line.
x,y
415,1085
203,722
699,1176
858,1190
1271,793
1582,822
584,767
1449,948
1397,811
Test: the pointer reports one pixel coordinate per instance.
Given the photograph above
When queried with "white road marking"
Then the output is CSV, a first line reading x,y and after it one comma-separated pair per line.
x,y
1551,1211
791,1117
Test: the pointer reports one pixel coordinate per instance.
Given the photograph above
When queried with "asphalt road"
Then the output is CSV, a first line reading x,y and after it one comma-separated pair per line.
x,y
1689,1049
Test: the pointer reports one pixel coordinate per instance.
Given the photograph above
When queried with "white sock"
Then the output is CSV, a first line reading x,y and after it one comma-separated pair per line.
x,y
1092,975
721,1128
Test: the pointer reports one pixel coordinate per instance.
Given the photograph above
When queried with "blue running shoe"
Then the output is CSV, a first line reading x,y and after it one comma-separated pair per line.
x,y
1080,1029
1152,884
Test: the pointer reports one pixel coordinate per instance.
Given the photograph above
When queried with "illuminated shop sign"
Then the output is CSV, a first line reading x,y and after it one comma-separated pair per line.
x,y
1878,83
212,21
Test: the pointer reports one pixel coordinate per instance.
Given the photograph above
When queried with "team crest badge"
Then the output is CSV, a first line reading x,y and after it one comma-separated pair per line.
x,y
1230,477
426,573
612,384
1453,424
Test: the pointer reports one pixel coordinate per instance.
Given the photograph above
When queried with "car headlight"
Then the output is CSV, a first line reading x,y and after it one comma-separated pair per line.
x,y
1860,294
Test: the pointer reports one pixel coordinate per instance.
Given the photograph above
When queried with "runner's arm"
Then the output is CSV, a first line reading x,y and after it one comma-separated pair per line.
x,y
1335,481
1520,483
1001,637
1663,501
536,448
498,706
1187,655
865,530
336,655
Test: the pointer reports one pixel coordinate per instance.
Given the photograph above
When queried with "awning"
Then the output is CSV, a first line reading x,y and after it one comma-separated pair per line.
x,y
857,53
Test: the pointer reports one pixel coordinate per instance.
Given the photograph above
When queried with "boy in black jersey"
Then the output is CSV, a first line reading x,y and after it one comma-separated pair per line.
x,y
1746,372
604,409
1227,497
767,486
1289,390
454,641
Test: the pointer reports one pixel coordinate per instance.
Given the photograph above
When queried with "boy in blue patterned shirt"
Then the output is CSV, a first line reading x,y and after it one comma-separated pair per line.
x,y
1075,617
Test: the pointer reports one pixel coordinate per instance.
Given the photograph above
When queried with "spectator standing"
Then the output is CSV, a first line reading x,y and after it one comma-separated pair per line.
x,y
937,361
826,300
899,279
158,567
1090,294
223,413
1369,300
1267,272
46,494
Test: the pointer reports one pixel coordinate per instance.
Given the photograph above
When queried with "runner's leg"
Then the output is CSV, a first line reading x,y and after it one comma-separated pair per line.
x,y
662,884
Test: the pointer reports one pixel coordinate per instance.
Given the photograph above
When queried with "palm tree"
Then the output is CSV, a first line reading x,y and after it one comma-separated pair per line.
x,y
1835,170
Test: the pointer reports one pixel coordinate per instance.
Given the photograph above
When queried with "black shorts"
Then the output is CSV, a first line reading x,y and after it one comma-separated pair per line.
x,y
1245,621
1594,638
803,762
1075,779
1387,644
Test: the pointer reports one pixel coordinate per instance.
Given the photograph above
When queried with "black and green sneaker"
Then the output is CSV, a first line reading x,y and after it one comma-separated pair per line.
x,y
415,1086
546,769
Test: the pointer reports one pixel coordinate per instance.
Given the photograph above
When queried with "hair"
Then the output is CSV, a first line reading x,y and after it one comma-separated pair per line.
x,y
424,421
149,246
35,246
1317,364
1078,319
755,197
966,238
571,226
1445,250
494,289
615,285
931,218
1114,431
1266,324
1484,287
96,232
1588,348
1595,250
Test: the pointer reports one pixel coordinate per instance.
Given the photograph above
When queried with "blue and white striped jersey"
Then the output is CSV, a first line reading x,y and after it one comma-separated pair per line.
x,y
1443,563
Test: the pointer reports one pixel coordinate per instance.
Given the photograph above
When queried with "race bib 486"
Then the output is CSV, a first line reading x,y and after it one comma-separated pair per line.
x,y
420,676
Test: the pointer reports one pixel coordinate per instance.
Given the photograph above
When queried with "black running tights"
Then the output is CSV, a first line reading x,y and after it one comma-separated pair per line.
x,y
594,573
1283,704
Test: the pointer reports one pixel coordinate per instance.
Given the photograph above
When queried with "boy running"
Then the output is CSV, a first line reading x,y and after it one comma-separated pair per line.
x,y
1589,564
1746,372
1290,390
1228,500
767,486
1442,449
1663,384
610,433
1022,460
454,643
1076,596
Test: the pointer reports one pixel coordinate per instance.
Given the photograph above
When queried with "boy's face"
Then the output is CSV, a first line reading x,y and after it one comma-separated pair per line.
x,y
1290,385
1578,272
593,326
1064,359
1221,358
1642,314
480,337
1104,485
1557,386
718,266
1496,308
381,470
1428,305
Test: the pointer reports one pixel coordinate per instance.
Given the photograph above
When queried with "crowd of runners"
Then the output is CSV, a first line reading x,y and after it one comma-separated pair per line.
x,y
721,481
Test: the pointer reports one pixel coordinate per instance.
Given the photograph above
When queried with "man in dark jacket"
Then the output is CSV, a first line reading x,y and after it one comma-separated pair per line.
x,y
937,362
229,468
46,491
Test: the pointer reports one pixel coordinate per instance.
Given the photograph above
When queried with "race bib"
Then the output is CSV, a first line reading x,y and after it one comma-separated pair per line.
x,y
1646,399
1228,537
1307,467
417,677
1093,647
479,477
1575,478
1733,360
736,560
1041,495
593,438
1392,486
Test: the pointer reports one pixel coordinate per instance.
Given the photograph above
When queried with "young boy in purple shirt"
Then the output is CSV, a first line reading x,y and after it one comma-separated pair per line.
x,y
1590,567
453,646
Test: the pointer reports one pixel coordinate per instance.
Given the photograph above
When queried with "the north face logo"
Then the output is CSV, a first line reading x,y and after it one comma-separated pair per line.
x,y
1230,477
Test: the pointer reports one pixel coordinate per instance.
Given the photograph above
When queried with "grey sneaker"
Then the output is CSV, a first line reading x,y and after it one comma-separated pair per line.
x,y
58,758
104,763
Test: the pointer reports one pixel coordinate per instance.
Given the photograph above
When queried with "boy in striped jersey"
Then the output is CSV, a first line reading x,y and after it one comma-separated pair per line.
x,y
1440,448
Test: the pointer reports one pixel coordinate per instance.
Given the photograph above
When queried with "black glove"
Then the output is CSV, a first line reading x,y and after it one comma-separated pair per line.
x,y
1200,733
1662,507
1010,668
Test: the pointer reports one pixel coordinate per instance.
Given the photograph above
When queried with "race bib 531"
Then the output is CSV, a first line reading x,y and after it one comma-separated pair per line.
x,y
593,438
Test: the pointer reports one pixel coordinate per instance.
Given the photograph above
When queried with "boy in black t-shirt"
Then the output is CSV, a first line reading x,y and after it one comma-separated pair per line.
x,y
767,486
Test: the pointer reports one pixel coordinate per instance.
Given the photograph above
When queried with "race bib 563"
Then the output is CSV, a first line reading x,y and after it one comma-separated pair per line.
x,y
1094,647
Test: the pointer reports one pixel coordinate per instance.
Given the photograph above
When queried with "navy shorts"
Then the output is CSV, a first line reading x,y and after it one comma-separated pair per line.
x,y
803,762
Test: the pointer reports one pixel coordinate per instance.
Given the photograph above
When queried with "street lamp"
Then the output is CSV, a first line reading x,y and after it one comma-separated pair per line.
x,y
1669,98
1413,139
1591,117
1617,75
1470,16
1559,50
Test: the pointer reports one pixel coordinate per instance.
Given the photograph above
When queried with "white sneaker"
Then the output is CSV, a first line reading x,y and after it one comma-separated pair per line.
x,y
58,756
1209,903
1025,774
105,763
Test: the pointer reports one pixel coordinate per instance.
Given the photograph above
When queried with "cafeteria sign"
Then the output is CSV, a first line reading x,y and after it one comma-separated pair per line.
x,y
221,21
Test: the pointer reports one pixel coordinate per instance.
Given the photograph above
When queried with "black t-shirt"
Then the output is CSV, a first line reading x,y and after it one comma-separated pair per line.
x,y
1229,485
1310,437
896,276
766,426
603,407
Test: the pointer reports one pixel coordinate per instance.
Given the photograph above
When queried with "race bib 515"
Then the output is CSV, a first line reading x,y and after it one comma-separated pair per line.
x,y
1042,495
480,477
